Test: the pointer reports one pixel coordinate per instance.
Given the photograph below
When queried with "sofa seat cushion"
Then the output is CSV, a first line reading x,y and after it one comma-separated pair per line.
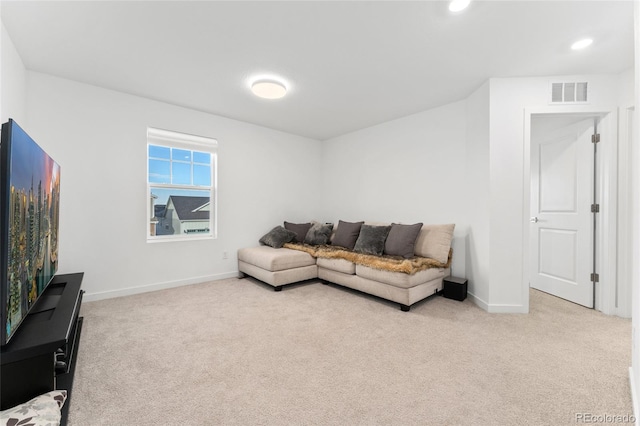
x,y
338,265
399,279
272,259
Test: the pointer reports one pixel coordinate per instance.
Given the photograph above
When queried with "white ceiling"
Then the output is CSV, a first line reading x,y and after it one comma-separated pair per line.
x,y
349,64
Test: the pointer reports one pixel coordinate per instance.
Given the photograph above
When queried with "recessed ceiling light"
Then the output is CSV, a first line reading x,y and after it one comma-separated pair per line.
x,y
268,89
581,44
458,5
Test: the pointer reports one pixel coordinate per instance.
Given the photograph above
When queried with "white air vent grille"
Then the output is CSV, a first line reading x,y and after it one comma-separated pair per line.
x,y
569,92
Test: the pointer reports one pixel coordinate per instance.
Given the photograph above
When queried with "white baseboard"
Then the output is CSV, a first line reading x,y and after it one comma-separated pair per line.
x,y
498,309
478,301
91,297
634,397
508,309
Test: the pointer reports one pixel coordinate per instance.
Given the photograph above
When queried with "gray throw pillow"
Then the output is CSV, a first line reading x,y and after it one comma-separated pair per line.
x,y
371,239
277,237
347,234
300,229
319,234
402,239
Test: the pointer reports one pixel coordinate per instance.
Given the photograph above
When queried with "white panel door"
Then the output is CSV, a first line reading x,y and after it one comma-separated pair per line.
x,y
561,228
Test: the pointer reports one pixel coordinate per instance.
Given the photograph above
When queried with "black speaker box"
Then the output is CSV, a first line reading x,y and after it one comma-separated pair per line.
x,y
455,288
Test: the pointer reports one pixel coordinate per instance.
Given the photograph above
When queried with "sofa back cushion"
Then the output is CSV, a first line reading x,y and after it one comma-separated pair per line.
x,y
434,241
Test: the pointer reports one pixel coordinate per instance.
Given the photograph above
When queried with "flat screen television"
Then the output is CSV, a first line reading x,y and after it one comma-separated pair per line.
x,y
29,211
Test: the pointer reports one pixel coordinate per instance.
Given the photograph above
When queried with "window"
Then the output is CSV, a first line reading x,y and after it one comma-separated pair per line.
x,y
181,186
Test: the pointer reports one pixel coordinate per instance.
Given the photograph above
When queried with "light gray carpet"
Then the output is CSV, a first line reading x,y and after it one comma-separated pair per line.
x,y
236,352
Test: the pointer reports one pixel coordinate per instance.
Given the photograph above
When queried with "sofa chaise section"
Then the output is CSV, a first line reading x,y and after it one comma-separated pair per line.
x,y
277,266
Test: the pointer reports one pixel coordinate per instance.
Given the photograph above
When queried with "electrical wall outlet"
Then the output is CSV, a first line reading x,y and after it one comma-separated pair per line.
x,y
225,255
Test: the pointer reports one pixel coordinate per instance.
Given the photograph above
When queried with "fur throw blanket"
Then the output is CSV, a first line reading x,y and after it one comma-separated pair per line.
x,y
385,262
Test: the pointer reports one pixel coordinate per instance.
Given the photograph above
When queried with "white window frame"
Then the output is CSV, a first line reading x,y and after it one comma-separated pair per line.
x,y
171,139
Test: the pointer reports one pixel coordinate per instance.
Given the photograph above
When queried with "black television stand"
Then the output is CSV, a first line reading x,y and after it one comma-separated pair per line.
x,y
41,356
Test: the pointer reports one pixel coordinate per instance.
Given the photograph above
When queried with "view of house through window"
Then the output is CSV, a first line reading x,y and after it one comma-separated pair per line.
x,y
181,185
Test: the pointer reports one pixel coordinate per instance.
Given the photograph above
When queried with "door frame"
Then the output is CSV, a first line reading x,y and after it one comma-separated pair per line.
x,y
607,194
567,221
622,299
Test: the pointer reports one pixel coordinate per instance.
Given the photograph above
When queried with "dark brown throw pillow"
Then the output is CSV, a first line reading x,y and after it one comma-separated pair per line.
x,y
277,237
347,234
300,229
371,239
402,239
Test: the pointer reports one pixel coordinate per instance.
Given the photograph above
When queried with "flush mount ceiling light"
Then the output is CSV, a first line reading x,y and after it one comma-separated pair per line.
x,y
458,5
268,88
581,44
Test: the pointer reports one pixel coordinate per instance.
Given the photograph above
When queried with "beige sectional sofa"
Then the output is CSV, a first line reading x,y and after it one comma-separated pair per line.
x,y
422,274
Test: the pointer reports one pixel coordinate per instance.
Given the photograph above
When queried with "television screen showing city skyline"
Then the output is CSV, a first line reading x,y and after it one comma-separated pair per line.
x,y
32,197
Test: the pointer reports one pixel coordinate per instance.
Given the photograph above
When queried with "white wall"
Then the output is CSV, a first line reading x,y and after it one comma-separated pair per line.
x,y
626,84
13,87
463,163
626,165
509,99
477,195
98,137
635,351
407,170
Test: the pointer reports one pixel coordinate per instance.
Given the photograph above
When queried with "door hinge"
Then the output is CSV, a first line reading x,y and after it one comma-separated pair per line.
x,y
595,208
595,138
595,277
